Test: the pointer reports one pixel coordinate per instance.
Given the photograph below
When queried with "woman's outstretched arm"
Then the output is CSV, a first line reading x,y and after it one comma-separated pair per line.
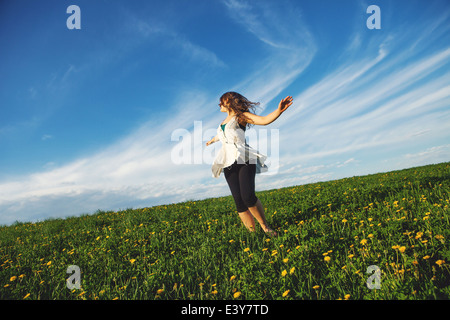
x,y
271,117
215,139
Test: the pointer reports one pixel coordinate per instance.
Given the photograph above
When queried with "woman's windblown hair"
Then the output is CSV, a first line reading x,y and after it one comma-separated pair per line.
x,y
239,104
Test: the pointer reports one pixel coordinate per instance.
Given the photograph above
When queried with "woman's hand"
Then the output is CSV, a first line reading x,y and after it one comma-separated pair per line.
x,y
215,139
271,117
285,103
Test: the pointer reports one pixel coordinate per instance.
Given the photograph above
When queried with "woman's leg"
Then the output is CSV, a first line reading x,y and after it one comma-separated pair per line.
x,y
247,190
232,177
258,212
247,220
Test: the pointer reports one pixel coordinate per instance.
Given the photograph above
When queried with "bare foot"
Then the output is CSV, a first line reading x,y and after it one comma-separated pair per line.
x,y
270,232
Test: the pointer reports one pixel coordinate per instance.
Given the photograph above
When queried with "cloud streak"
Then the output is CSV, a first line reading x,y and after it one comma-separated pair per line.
x,y
292,46
166,36
373,100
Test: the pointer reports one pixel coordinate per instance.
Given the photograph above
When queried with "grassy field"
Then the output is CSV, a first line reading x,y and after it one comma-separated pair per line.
x,y
329,234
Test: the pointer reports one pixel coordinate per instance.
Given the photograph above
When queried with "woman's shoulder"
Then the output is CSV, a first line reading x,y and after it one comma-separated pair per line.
x,y
240,122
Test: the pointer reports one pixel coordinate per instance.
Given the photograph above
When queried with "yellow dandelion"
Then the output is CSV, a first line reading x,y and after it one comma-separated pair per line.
x,y
232,278
12,278
363,242
237,294
316,287
285,260
159,291
351,256
439,262
246,249
402,249
292,270
132,261
346,297
426,257
49,263
231,241
395,247
370,236
26,296
284,273
286,293
344,220
327,258
214,292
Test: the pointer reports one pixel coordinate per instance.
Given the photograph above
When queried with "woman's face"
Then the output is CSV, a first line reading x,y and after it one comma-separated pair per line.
x,y
224,106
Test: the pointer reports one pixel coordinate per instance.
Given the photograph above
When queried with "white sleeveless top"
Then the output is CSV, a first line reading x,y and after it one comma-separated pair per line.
x,y
234,148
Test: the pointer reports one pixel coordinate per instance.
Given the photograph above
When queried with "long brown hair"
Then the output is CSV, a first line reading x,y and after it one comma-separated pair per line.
x,y
239,104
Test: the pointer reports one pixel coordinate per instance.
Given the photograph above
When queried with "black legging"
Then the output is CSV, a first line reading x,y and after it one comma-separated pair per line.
x,y
241,180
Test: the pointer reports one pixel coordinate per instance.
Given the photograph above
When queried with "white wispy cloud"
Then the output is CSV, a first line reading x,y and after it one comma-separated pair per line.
x,y
46,137
372,100
384,93
287,35
166,36
137,167
435,154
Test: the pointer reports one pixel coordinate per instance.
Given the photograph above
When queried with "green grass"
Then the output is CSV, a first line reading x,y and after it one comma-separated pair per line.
x,y
398,221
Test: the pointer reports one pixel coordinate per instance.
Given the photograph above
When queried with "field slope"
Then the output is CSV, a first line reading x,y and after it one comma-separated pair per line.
x,y
329,235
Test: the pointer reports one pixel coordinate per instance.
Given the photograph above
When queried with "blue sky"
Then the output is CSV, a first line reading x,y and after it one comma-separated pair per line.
x,y
86,116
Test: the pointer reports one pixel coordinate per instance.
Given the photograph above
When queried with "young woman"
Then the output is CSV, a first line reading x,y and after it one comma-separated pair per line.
x,y
238,160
